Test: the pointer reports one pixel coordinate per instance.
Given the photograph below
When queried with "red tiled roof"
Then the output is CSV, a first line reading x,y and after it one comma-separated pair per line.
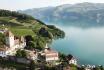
x,y
51,53
55,55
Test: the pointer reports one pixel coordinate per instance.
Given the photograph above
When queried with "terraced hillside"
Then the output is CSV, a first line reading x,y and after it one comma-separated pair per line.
x,y
25,25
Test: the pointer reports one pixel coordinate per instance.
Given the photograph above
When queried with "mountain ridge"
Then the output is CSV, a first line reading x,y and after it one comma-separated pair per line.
x,y
86,14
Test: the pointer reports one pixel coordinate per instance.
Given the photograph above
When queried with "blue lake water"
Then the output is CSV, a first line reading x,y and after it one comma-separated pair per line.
x,y
87,45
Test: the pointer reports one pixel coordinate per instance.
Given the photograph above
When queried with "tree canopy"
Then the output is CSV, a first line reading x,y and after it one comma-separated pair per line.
x,y
21,53
2,39
7,13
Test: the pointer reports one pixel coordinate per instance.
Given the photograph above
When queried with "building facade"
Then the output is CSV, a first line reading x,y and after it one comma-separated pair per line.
x,y
49,54
73,61
12,44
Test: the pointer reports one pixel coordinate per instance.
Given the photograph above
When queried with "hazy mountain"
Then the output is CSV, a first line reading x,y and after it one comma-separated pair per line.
x,y
81,14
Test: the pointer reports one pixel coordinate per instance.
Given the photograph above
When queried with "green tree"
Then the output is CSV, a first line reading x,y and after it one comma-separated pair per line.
x,y
62,56
15,14
18,53
2,39
31,45
56,33
21,53
32,65
29,38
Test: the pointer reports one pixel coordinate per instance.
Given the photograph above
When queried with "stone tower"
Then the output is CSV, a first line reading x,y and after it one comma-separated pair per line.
x,y
9,38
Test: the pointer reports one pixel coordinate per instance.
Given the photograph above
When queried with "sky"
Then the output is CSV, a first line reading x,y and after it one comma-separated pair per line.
x,y
28,4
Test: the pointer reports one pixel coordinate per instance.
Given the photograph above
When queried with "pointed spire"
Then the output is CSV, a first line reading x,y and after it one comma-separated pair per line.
x,y
46,46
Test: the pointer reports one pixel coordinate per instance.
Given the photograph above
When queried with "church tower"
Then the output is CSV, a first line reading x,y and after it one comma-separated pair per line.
x,y
46,47
9,38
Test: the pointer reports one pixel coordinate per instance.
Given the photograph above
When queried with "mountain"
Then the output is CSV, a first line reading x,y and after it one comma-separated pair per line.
x,y
40,13
81,14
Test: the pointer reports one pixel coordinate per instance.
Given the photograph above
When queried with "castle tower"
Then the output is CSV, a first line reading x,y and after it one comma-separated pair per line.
x,y
9,38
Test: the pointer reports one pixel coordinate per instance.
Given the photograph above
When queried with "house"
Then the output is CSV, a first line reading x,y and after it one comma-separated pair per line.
x,y
49,54
89,67
71,59
4,51
2,31
12,43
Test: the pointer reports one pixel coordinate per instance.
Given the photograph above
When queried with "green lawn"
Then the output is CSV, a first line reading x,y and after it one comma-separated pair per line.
x,y
22,32
73,68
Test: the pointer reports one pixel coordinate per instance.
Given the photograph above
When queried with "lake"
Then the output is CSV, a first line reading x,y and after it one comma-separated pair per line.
x,y
86,44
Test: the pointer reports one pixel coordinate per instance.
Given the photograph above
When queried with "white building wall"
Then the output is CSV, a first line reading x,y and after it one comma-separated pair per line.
x,y
6,53
52,59
73,61
10,41
87,69
12,50
3,54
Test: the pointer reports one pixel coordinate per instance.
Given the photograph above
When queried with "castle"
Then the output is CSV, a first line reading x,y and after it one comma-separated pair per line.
x,y
12,43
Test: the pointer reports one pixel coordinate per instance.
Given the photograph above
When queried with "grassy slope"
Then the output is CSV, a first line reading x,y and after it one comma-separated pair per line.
x,y
22,32
23,27
20,27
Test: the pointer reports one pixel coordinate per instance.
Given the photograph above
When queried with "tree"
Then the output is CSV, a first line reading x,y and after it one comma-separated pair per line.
x,y
69,57
43,32
28,38
15,14
2,39
29,42
24,54
18,53
32,65
62,56
21,53
56,33
31,45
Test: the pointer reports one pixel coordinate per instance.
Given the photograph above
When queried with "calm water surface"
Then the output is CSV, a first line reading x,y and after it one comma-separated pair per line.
x,y
87,45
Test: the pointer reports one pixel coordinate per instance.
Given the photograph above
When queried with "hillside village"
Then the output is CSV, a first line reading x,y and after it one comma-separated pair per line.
x,y
47,56
17,49
53,59
13,44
